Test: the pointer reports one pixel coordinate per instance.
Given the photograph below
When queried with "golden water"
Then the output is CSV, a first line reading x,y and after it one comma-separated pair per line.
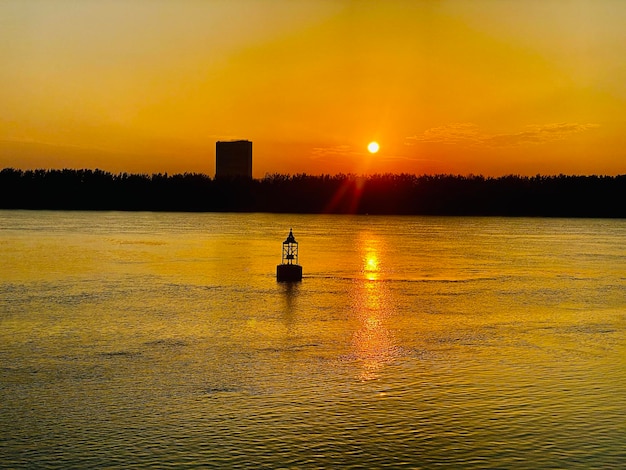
x,y
141,340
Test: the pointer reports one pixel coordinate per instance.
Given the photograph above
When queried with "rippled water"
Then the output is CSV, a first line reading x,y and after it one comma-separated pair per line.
x,y
137,340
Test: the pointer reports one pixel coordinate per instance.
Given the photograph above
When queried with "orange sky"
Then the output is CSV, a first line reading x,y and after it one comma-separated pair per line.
x,y
478,86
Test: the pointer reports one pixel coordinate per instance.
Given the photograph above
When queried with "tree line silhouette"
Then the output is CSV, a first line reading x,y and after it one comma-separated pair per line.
x,y
513,195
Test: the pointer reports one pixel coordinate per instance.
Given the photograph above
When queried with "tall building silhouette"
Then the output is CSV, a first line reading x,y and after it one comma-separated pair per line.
x,y
233,159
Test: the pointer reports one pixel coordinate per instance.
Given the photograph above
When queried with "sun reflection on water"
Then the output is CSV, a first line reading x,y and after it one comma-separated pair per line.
x,y
371,266
373,343
371,262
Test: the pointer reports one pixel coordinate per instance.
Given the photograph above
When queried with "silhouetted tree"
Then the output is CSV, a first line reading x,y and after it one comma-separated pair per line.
x,y
512,195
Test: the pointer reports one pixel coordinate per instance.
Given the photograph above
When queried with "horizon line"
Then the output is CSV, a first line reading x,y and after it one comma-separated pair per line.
x,y
340,174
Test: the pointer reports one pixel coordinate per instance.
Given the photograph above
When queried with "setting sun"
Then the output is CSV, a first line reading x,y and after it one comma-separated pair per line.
x,y
373,147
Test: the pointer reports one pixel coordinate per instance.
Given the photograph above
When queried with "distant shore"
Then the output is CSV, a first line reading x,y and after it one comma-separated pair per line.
x,y
401,194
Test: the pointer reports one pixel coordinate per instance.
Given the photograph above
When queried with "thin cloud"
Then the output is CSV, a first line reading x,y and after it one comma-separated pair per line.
x,y
538,134
456,133
469,134
334,151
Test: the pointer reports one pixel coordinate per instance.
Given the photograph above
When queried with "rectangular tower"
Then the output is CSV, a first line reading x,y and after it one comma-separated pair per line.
x,y
233,159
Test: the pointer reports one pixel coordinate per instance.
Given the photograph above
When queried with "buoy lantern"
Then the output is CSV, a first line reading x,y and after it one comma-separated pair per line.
x,y
289,270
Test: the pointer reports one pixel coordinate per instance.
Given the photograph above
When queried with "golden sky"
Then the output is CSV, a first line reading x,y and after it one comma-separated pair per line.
x,y
487,87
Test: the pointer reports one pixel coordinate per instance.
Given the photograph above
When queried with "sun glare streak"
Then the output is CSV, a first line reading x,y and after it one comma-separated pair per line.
x,y
348,195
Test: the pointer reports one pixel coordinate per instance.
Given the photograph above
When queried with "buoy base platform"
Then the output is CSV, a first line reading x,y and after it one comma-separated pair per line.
x,y
288,272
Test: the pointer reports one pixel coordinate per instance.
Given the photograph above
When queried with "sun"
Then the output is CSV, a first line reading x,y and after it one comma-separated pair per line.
x,y
373,147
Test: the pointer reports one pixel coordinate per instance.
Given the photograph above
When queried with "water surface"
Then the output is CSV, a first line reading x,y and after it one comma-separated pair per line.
x,y
135,340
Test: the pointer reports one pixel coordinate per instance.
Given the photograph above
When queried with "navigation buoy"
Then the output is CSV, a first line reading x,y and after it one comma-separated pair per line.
x,y
289,270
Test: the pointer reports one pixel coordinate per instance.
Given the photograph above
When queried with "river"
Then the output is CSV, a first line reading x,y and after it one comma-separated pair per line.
x,y
143,340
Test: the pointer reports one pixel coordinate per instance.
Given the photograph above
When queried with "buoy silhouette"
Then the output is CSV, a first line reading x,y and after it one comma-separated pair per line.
x,y
289,270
